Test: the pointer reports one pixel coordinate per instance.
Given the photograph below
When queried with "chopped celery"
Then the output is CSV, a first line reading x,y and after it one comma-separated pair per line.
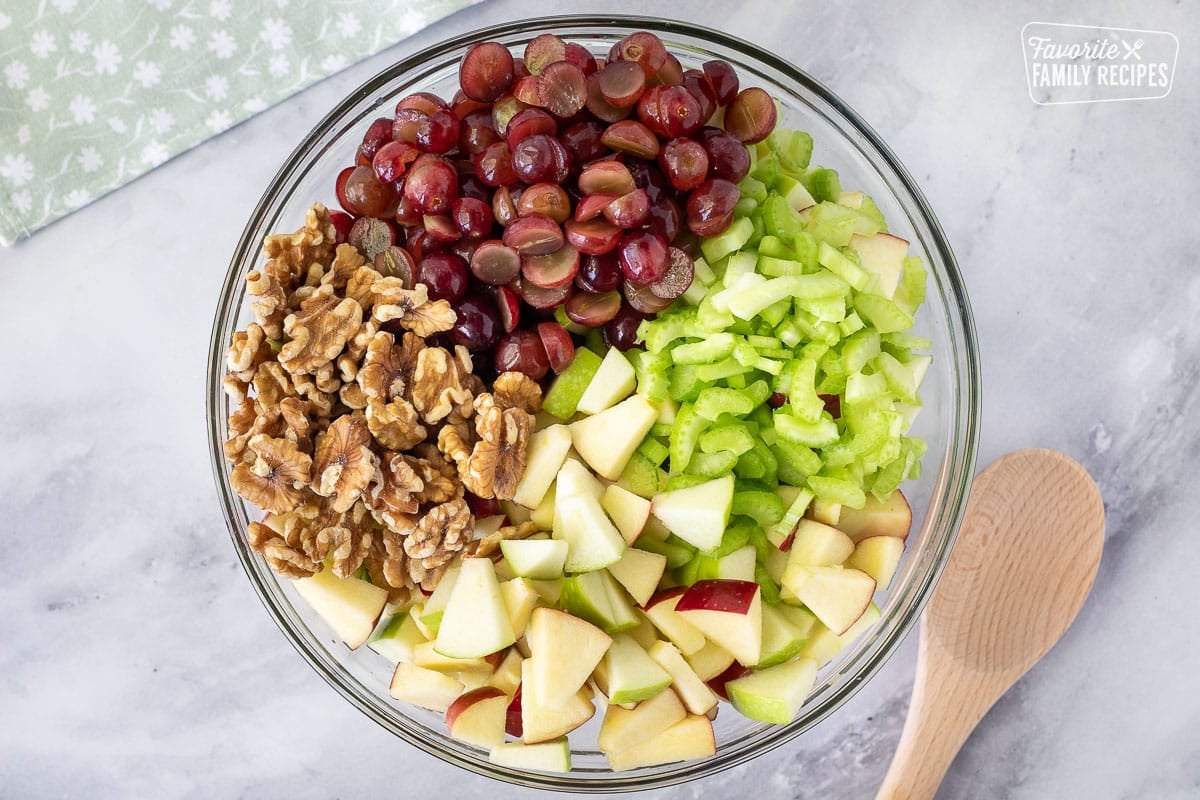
x,y
765,508
684,481
684,436
793,147
737,534
722,369
766,587
796,462
837,490
809,434
735,438
859,349
776,266
835,223
841,265
651,370
685,383
677,551
886,316
911,291
564,394
705,351
753,188
703,272
738,266
716,400
736,235
641,476
712,465
772,246
655,451
780,219
824,185
766,169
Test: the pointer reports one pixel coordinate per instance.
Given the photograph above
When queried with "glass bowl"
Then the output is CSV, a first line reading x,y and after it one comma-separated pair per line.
x,y
949,421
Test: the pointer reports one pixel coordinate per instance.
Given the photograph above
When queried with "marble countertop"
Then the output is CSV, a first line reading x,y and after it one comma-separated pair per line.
x,y
137,662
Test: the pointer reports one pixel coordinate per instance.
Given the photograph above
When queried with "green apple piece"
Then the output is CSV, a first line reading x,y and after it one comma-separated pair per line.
x,y
882,255
489,525
595,597
397,638
661,611
825,511
515,512
774,694
545,455
632,675
540,722
539,559
837,595
475,622
592,541
507,676
551,756
645,633
623,728
697,514
549,591
426,655
697,697
640,571
417,611
351,606
477,717
520,598
613,382
891,517
878,556
729,613
562,399
801,619
776,564
565,650
851,200
823,644
710,661
435,606
780,638
738,565
423,687
815,544
627,510
690,738
575,479
608,439
543,515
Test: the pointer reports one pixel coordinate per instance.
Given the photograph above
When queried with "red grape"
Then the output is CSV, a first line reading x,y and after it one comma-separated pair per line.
x,y
581,57
600,273
621,83
697,83
476,324
727,157
441,228
533,235
504,209
526,123
391,161
670,111
508,304
342,222
685,163
503,110
621,330
472,217
591,309
630,136
495,263
363,194
723,79
543,51
477,132
751,116
629,211
562,89
486,71
551,270
670,73
431,186
547,199
378,134
407,214
522,351
591,206
395,262
494,166
644,300
560,350
710,206
541,298
680,272
665,218
594,237
599,107
643,257
533,159
644,48
606,177
425,102
445,274
371,236
583,140
462,106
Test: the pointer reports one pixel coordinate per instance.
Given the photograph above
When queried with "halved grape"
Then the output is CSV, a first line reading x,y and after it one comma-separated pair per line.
x,y
462,106
508,303
670,73
533,159
562,89
445,274
594,237
486,71
472,217
592,309
599,107
591,206
751,116
643,47
543,51
643,257
697,83
600,273
522,351
551,270
685,163
547,199
526,90
581,57
533,235
621,83
362,193
670,111
476,324
503,110
541,298
665,219
391,161
477,132
504,208
441,228
418,242
644,300
723,79
727,157
342,223
606,177
407,214
395,262
494,165
560,349
680,273
710,206
495,263
583,140
632,137
526,123
621,330
425,102
629,211
378,134
431,186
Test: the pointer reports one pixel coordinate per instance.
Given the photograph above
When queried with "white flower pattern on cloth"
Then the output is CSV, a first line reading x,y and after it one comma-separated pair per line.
x,y
92,95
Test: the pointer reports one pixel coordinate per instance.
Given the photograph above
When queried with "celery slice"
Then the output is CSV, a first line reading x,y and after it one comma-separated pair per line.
x,y
809,434
712,465
886,316
765,508
839,264
732,240
684,436
735,438
716,400
705,351
837,490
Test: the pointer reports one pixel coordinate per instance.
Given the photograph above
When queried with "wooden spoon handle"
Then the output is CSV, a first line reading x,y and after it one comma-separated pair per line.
x,y
946,706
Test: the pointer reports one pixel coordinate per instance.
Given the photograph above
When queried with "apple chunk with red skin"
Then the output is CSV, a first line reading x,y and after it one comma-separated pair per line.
x,y
729,613
661,610
477,717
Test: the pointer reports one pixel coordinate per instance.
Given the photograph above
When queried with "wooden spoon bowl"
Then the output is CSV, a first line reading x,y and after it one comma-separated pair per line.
x,y
1022,566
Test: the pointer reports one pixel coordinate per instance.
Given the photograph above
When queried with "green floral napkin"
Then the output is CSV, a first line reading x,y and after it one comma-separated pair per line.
x,y
94,93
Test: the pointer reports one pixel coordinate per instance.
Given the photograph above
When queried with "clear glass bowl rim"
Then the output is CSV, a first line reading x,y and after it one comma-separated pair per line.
x,y
957,473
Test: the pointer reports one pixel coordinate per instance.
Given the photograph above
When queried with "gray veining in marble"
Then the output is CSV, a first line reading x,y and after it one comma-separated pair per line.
x,y
135,660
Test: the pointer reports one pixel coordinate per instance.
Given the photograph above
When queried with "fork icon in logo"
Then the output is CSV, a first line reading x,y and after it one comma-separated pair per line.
x,y
1132,49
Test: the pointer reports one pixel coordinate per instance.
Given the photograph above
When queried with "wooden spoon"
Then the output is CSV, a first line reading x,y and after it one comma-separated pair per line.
x,y
1024,561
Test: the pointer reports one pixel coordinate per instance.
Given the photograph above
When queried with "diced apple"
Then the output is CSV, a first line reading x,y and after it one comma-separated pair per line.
x,y
576,479
731,673
892,517
544,457
539,722
729,613
624,728
825,511
426,655
607,440
539,559
738,565
397,638
507,676
640,571
592,541
850,199
543,515
515,512
883,255
690,738
780,638
519,600
549,591
823,644
796,501
628,511
595,597
645,633
551,756
351,606
878,556
422,687
565,650
632,675
477,717
661,611
417,611
694,693
698,514
435,604
776,564
612,383
710,661
837,595
476,620
818,545
800,617
774,694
